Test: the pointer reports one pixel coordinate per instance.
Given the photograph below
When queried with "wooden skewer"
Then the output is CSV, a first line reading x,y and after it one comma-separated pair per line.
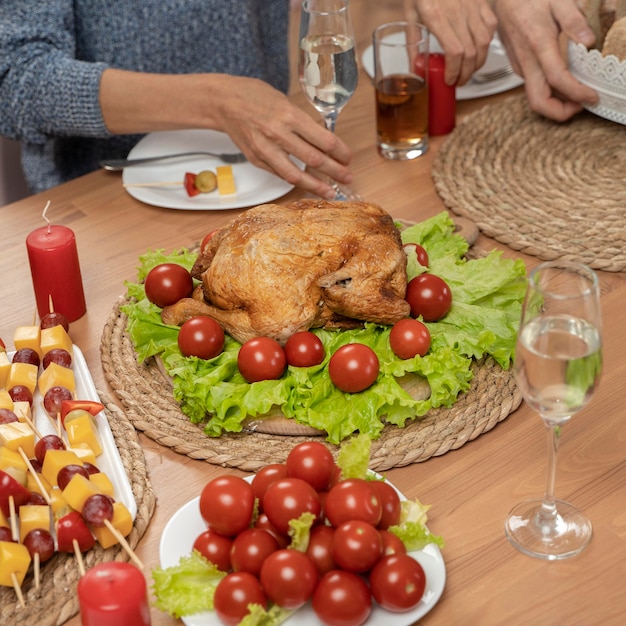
x,y
31,469
79,557
36,568
18,590
13,519
155,184
59,425
122,540
31,424
50,304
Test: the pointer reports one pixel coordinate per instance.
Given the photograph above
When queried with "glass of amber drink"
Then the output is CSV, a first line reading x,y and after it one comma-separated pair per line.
x,y
400,80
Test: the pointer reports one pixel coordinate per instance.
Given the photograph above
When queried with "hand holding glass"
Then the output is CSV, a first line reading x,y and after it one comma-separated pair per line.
x,y
558,361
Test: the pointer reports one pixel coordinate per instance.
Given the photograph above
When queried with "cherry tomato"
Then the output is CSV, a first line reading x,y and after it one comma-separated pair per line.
x,y
262,521
234,593
390,502
288,578
353,499
429,296
392,544
208,238
167,283
409,337
261,358
420,252
313,462
226,504
342,599
304,349
189,182
265,477
397,582
250,548
287,499
353,367
201,336
357,546
320,548
214,548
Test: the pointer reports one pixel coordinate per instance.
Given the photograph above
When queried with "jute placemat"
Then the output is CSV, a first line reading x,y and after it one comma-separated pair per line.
x,y
56,600
150,405
551,190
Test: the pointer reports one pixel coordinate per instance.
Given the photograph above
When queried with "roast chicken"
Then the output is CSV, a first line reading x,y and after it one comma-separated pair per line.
x,y
276,270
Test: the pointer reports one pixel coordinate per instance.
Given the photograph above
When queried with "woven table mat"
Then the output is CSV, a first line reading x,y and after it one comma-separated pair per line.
x,y
140,388
56,600
547,189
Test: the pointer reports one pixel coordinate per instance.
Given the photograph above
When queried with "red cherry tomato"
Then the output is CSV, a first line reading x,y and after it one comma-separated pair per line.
x,y
342,599
189,182
265,477
226,504
304,349
357,546
201,336
392,544
261,358
287,499
208,238
313,462
262,521
214,548
288,578
167,283
390,503
234,593
353,499
250,548
429,296
353,367
409,337
397,582
320,548
420,252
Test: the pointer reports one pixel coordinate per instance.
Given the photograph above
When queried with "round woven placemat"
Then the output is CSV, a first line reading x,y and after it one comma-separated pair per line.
x,y
140,388
551,190
56,600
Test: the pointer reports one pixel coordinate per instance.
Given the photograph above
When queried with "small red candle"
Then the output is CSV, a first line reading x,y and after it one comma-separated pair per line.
x,y
55,270
113,594
441,98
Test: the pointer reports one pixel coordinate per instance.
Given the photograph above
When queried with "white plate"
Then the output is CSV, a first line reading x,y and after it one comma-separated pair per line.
x,y
496,59
187,523
254,185
109,461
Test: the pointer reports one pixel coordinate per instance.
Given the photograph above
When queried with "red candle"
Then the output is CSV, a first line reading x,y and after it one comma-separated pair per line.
x,y
441,98
55,270
113,594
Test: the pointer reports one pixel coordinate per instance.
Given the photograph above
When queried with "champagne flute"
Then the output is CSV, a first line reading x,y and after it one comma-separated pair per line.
x,y
327,65
558,362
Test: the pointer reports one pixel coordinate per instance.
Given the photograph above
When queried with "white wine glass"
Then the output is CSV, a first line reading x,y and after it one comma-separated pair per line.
x,y
558,362
327,65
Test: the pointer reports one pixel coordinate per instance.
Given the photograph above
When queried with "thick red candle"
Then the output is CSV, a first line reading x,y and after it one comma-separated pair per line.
x,y
441,98
55,270
113,594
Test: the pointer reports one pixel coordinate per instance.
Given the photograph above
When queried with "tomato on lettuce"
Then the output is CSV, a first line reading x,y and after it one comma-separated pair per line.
x,y
487,296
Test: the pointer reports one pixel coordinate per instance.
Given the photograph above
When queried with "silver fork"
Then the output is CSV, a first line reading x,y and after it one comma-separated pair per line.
x,y
120,164
487,77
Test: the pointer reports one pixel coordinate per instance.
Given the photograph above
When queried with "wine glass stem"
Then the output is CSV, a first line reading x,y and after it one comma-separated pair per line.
x,y
548,507
330,119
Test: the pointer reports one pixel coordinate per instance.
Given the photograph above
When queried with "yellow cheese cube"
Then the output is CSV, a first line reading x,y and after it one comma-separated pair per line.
x,y
6,402
23,374
33,516
9,459
82,430
22,410
78,490
57,503
54,461
84,453
225,180
27,337
56,375
16,435
55,337
5,366
14,559
103,482
122,521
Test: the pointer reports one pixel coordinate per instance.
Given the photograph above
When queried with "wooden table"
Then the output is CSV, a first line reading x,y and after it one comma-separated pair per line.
x,y
470,489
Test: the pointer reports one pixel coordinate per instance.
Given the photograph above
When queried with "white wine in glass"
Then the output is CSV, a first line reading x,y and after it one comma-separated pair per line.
x,y
558,362
327,66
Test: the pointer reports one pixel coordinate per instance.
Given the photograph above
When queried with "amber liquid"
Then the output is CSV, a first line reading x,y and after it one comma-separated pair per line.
x,y
401,110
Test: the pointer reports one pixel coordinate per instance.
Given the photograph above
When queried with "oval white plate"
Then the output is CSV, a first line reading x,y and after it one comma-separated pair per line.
x,y
254,185
187,523
496,59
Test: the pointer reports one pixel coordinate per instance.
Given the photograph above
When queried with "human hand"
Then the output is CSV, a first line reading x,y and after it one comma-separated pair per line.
x,y
464,29
530,31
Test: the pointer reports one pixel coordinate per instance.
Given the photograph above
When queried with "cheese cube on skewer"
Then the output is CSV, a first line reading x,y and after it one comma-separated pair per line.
x,y
225,180
122,522
6,402
10,459
78,490
56,375
82,430
54,461
55,337
103,482
16,435
5,366
33,516
28,337
23,374
14,559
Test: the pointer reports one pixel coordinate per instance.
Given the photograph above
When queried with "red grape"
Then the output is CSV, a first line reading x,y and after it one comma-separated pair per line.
x,y
5,534
26,355
53,399
54,319
7,416
59,356
40,541
48,442
21,393
68,472
97,509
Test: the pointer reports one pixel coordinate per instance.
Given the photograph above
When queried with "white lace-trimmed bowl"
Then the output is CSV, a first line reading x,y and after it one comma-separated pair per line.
x,y
604,74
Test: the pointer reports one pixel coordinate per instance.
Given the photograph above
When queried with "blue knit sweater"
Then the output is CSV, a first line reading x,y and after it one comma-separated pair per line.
x,y
53,53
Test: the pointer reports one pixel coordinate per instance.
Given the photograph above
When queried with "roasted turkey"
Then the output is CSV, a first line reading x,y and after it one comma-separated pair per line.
x,y
276,270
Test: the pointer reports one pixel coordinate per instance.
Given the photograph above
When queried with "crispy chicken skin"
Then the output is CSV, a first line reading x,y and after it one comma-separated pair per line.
x,y
276,270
